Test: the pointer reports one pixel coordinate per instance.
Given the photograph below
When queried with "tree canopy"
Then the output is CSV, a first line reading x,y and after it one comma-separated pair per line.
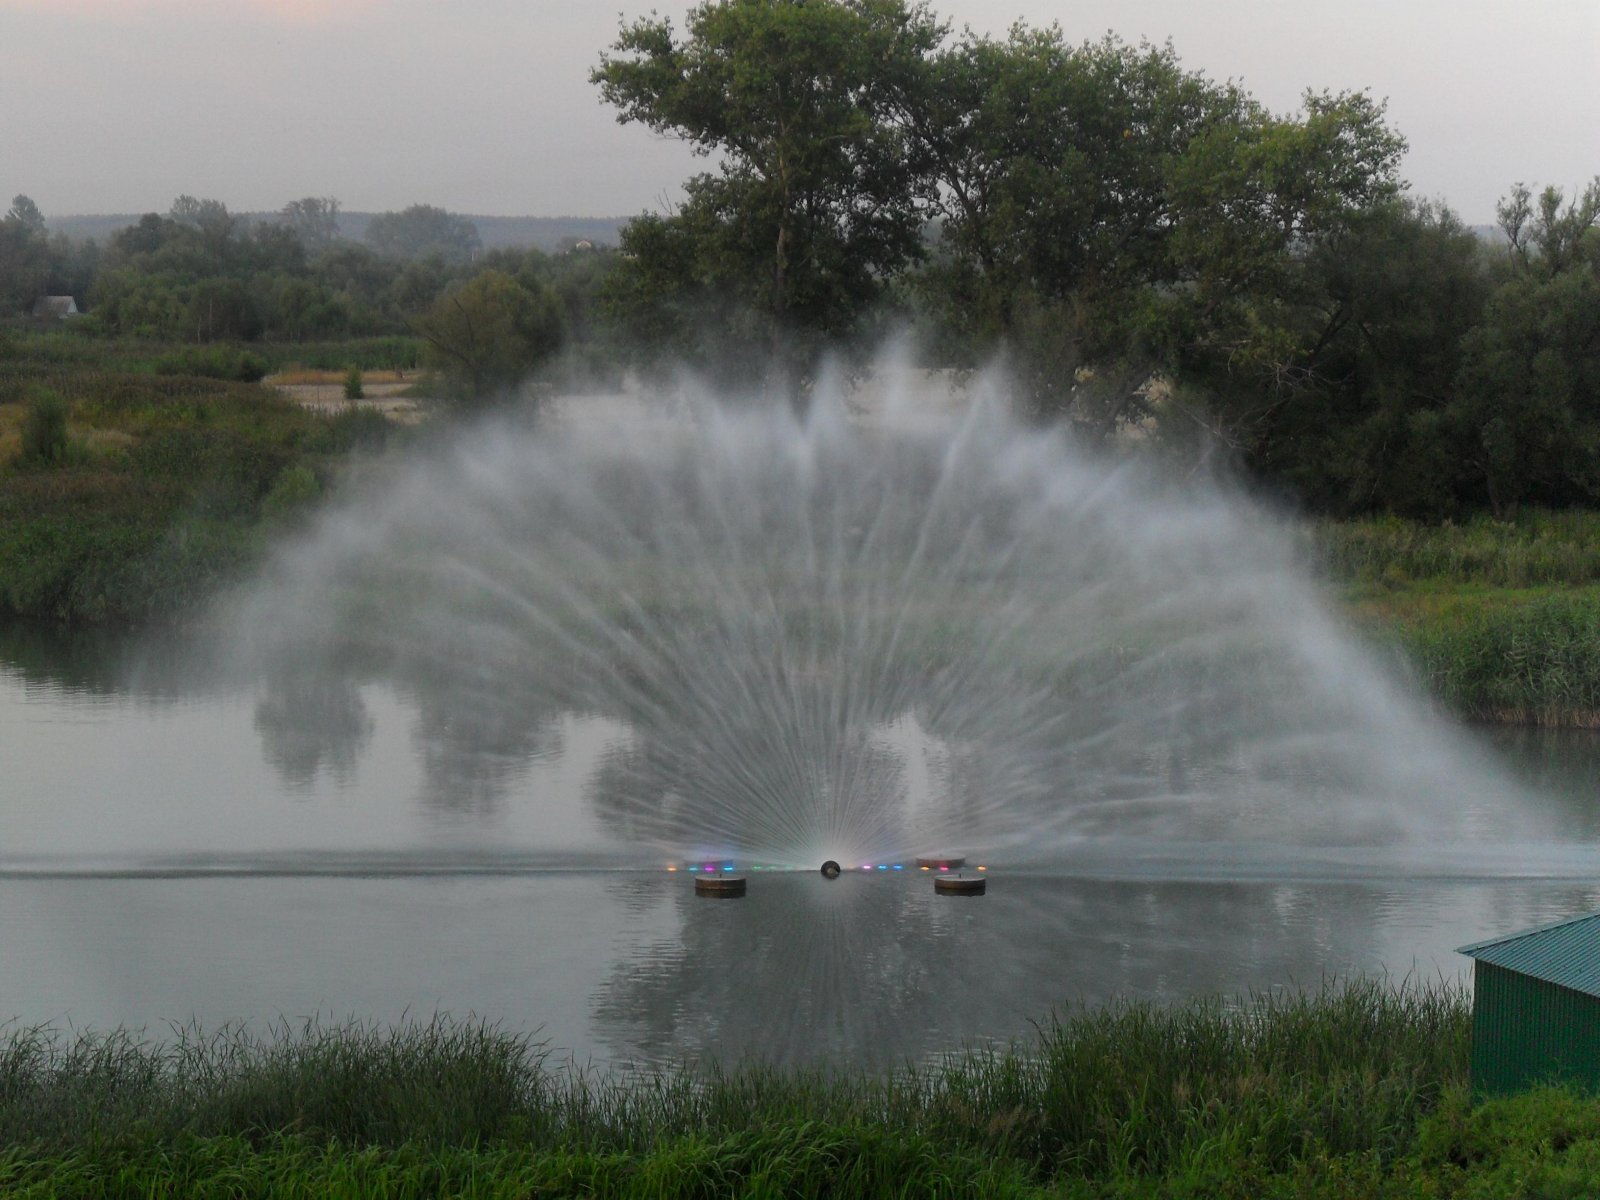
x,y
814,204
491,332
423,231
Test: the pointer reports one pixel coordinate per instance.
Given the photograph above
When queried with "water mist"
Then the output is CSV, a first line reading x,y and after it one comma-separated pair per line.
x,y
825,638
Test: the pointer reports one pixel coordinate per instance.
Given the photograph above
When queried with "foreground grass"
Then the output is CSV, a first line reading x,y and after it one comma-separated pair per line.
x,y
1545,1144
1542,1145
1358,1083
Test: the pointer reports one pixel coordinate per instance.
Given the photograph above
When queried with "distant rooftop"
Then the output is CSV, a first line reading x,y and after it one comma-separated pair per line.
x,y
60,307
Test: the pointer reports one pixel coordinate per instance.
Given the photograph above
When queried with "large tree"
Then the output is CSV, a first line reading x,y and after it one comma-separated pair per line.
x,y
1528,394
1109,214
488,334
24,256
806,105
423,231
315,219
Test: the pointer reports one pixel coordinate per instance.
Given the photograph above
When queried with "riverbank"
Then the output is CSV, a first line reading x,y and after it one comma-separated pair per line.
x,y
1357,1090
1497,620
136,480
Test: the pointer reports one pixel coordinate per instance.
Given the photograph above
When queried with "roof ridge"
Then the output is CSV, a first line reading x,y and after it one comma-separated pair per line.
x,y
1525,933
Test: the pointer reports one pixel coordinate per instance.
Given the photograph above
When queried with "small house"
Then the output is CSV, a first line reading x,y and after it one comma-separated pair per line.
x,y
55,308
1536,1007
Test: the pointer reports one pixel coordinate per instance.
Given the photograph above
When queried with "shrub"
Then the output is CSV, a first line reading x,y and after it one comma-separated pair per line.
x,y
213,362
352,383
294,488
44,429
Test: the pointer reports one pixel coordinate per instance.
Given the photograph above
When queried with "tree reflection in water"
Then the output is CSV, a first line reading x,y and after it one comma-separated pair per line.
x,y
311,723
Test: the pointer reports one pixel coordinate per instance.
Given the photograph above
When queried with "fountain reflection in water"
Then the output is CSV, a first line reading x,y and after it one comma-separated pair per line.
x,y
823,641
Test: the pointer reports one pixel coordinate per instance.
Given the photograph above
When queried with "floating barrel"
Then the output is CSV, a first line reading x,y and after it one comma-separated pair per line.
x,y
957,885
726,886
935,862
830,870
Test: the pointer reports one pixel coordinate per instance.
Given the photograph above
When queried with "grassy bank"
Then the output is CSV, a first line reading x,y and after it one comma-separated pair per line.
x,y
1500,620
1358,1090
1543,1145
136,479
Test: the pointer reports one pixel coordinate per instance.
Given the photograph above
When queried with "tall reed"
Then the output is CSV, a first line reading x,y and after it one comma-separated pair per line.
x,y
1349,1068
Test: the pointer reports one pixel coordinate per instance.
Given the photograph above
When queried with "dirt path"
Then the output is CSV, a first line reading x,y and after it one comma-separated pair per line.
x,y
328,396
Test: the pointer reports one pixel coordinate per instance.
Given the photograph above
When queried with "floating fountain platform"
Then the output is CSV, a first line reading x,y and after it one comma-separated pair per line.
x,y
725,886
830,869
941,862
958,885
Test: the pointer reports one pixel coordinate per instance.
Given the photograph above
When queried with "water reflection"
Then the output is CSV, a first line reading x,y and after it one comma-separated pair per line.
x,y
312,723
392,770
879,971
475,745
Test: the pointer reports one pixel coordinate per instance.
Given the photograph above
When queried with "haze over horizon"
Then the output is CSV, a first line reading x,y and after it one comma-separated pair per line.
x,y
484,107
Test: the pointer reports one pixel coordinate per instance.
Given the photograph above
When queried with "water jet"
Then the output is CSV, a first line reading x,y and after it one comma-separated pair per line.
x,y
782,633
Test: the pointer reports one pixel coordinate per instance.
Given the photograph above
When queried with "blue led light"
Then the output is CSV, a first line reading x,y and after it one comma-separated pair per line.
x,y
728,867
899,866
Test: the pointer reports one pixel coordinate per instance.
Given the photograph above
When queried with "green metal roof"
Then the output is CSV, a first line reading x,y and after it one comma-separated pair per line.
x,y
1566,954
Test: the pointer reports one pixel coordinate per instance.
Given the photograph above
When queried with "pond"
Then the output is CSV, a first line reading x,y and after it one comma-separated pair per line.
x,y
176,849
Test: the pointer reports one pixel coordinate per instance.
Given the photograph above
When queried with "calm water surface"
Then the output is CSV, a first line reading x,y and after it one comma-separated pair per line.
x,y
244,850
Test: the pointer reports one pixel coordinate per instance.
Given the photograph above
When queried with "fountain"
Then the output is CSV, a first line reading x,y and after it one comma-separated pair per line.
x,y
815,641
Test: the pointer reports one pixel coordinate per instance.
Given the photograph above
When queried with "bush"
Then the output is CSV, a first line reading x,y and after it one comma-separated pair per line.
x,y
44,429
352,383
295,488
213,362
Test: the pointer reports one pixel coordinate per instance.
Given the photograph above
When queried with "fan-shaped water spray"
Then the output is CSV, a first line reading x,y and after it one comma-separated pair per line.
x,y
829,641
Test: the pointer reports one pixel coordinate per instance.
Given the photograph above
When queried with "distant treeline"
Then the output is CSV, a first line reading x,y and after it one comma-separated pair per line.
x,y
1151,253
549,234
201,274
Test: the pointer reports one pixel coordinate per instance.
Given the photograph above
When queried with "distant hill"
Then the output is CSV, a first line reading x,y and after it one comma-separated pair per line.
x,y
496,233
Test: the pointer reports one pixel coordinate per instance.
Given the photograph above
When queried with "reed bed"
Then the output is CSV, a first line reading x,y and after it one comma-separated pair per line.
x,y
1538,548
1125,1093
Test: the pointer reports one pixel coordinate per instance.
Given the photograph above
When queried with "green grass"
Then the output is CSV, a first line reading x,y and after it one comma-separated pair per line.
x,y
1500,621
161,488
1134,1088
1354,1090
1536,549
80,347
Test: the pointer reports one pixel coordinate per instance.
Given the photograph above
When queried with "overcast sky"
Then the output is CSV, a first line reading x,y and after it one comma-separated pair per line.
x,y
483,106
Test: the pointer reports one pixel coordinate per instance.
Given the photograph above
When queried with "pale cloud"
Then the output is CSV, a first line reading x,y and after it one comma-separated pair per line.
x,y
294,12
485,106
